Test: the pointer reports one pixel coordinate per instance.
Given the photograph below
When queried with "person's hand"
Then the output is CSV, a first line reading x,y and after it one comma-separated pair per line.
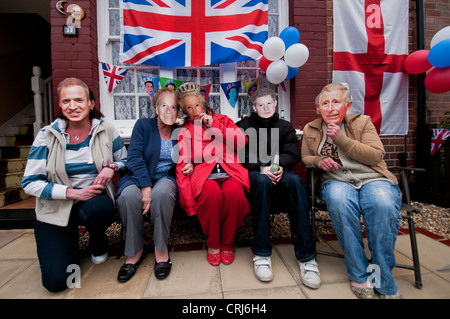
x,y
188,169
328,164
333,131
276,177
104,177
146,197
85,193
206,119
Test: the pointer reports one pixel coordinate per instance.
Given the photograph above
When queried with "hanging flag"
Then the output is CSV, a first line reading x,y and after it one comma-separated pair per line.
x,y
166,82
440,135
251,87
113,75
231,91
192,33
370,46
205,89
151,84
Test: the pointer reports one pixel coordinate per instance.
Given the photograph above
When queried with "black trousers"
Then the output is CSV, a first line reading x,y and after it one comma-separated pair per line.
x,y
261,191
57,247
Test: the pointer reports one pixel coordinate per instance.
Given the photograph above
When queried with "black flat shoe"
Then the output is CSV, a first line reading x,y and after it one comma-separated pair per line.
x,y
128,270
162,269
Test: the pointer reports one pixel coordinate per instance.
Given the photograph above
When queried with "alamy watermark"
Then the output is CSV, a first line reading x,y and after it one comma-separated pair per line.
x,y
76,15
374,278
215,145
74,279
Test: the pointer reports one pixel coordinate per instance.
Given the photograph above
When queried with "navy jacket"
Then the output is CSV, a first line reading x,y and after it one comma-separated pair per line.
x,y
143,155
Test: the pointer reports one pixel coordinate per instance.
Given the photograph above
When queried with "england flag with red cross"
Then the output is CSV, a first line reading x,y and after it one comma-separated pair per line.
x,y
192,32
370,46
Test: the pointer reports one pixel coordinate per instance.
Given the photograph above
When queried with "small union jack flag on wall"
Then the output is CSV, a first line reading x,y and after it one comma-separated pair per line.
x,y
440,135
192,32
113,75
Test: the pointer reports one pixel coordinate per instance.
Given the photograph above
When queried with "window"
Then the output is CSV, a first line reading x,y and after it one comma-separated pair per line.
x,y
130,101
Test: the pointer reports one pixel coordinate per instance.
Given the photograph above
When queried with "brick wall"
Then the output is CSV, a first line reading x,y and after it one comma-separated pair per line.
x,y
75,56
314,20
437,16
311,19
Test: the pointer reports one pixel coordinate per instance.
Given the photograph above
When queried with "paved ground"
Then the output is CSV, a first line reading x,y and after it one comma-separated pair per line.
x,y
193,278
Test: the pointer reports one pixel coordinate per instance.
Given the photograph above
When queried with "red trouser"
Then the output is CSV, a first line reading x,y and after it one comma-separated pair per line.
x,y
222,207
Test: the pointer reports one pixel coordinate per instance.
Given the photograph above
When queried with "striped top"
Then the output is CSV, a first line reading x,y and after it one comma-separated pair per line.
x,y
80,167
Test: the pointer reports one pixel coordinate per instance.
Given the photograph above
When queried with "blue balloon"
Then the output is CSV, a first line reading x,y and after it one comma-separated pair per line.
x,y
292,72
290,36
439,55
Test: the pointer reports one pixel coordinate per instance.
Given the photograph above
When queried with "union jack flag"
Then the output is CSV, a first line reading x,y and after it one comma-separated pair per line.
x,y
440,135
192,32
113,75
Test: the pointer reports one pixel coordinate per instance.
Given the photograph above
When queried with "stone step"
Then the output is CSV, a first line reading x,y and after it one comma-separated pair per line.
x,y
24,139
19,128
12,165
26,129
8,152
11,180
18,215
7,140
13,195
16,140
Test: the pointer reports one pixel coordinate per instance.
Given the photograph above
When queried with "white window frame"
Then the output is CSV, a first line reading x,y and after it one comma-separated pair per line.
x,y
228,73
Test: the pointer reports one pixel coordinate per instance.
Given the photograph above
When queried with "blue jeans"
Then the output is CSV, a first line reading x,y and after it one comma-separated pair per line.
x,y
261,190
57,247
379,203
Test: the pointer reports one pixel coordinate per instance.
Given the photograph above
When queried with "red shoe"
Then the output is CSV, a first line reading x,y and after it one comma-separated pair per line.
x,y
227,257
213,259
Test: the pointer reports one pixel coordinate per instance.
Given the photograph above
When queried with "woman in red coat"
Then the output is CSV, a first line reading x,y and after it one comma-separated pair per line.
x,y
216,189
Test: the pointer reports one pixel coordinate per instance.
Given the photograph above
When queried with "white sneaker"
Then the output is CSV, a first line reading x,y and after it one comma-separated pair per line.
x,y
99,259
263,268
310,274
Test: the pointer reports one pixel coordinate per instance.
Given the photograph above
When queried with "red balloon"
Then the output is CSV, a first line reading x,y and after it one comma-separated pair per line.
x,y
438,80
264,63
417,62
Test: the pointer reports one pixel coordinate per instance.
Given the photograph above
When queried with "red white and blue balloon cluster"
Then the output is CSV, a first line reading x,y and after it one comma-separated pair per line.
x,y
436,62
283,55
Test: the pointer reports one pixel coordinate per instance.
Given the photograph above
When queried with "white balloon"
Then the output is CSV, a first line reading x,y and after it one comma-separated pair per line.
x,y
442,34
273,48
277,72
296,55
